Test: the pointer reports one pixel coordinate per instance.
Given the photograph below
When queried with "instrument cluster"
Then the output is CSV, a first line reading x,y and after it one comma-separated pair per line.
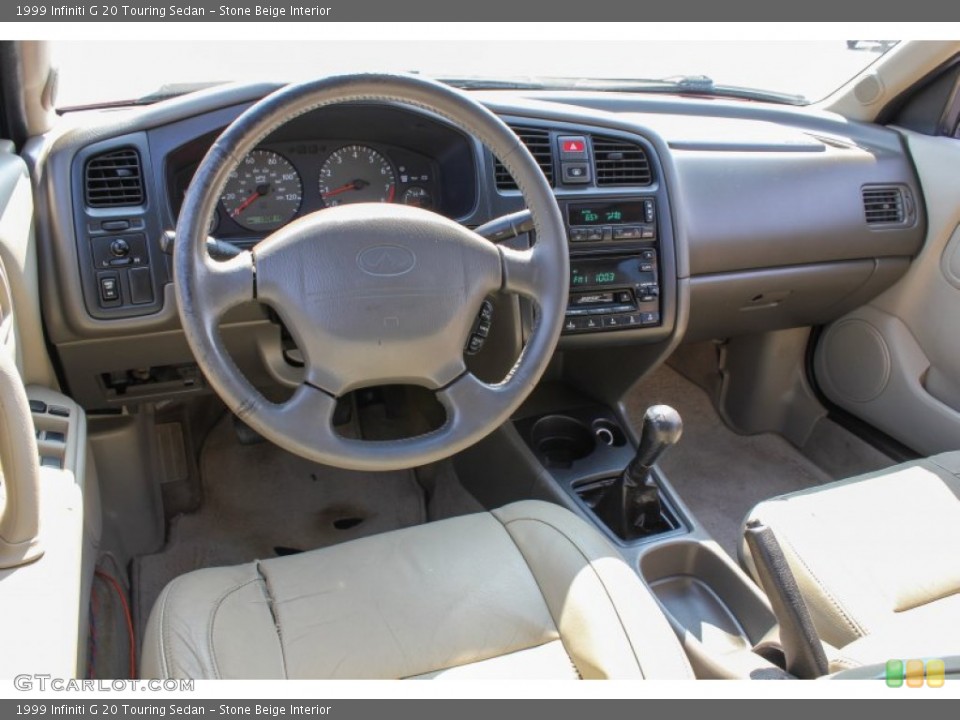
x,y
279,182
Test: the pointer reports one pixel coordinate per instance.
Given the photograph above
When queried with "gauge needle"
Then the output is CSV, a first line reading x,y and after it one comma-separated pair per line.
x,y
352,185
259,192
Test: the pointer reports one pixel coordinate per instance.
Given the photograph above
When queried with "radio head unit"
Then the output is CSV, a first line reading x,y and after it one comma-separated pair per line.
x,y
613,293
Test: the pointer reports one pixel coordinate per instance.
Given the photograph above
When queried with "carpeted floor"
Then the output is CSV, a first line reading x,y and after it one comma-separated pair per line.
x,y
719,474
258,498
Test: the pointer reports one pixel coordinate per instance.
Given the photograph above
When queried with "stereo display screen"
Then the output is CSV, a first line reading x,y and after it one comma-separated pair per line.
x,y
610,213
606,276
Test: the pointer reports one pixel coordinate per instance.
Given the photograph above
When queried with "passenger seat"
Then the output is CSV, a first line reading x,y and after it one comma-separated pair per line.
x,y
877,560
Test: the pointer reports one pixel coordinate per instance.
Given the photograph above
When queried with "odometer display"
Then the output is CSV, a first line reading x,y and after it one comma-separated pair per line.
x,y
264,192
355,174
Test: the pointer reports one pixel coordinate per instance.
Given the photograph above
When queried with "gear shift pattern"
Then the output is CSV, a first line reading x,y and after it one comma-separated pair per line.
x,y
631,505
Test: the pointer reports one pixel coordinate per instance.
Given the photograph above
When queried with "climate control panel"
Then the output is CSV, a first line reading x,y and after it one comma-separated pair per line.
x,y
612,221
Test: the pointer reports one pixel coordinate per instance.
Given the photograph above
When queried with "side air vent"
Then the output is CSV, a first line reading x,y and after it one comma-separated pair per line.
x,y
538,143
618,162
114,179
886,205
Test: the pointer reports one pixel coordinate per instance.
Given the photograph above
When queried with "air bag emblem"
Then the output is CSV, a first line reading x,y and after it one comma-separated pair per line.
x,y
386,260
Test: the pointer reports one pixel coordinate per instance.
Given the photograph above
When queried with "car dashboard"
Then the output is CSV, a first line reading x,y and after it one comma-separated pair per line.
x,y
686,219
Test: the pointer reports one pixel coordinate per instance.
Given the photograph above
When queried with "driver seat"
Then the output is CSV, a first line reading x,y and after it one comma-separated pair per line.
x,y
529,591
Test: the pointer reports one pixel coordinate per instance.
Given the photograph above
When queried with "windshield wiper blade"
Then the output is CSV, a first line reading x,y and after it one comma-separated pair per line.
x,y
680,84
481,83
690,84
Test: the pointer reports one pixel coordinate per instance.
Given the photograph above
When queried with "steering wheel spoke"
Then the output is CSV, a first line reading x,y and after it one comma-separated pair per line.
x,y
226,284
307,417
522,272
469,398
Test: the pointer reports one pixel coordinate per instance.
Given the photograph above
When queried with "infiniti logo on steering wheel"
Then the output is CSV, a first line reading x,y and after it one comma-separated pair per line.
x,y
386,260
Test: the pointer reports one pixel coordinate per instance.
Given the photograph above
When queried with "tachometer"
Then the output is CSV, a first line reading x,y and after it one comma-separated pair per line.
x,y
264,192
357,173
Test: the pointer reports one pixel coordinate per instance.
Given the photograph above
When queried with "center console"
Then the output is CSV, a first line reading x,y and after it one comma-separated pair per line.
x,y
587,457
614,265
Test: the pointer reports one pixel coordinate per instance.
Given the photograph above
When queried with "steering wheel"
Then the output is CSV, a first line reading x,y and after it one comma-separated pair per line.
x,y
372,293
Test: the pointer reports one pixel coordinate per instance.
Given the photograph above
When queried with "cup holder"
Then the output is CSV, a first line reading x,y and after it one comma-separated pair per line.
x,y
560,440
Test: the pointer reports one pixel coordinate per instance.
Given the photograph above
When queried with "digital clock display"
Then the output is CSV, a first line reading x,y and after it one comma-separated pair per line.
x,y
611,213
602,277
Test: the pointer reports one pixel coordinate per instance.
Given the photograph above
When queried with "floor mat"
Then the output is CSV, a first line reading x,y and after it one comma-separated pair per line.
x,y
257,498
719,474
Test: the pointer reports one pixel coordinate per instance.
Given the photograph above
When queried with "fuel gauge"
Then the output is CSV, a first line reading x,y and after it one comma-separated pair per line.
x,y
418,197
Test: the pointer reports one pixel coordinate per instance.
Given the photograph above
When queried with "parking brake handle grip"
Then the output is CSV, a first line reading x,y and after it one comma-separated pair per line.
x,y
802,648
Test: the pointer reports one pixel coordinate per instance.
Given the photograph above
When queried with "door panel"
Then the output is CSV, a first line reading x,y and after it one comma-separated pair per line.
x,y
895,362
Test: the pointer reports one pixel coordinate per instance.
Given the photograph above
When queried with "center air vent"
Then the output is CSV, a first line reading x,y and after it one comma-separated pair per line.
x,y
885,205
114,179
538,143
619,162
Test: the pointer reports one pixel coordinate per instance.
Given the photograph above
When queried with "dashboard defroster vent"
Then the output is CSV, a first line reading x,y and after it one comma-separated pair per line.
x,y
114,179
886,205
618,162
538,143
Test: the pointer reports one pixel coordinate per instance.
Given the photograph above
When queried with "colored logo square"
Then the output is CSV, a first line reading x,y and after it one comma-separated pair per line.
x,y
936,673
894,673
914,673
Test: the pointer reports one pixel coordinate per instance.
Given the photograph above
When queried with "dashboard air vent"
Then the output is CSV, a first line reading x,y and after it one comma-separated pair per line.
x,y
114,179
884,205
618,162
538,143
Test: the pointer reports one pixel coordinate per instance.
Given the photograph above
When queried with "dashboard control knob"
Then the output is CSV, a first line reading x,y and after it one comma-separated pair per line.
x,y
120,248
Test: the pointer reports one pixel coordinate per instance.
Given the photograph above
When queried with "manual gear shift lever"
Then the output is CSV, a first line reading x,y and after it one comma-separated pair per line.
x,y
661,429
631,505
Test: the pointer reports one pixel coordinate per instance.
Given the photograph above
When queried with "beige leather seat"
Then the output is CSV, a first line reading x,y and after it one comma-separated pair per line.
x,y
876,558
527,591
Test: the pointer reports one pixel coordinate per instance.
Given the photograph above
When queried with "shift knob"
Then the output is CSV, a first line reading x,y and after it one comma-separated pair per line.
x,y
662,428
631,506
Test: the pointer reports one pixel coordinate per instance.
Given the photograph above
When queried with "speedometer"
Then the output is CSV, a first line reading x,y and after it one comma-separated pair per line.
x,y
355,174
264,192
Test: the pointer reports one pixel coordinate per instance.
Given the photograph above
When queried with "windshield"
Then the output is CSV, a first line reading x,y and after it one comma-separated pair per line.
x,y
800,71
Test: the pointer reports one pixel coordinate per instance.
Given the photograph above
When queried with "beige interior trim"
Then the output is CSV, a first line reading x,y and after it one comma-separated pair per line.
x,y
872,604
20,516
44,605
865,95
41,604
18,254
905,344
35,82
541,594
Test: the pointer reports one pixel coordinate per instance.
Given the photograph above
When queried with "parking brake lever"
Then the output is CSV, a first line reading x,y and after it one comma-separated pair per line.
x,y
218,249
803,651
